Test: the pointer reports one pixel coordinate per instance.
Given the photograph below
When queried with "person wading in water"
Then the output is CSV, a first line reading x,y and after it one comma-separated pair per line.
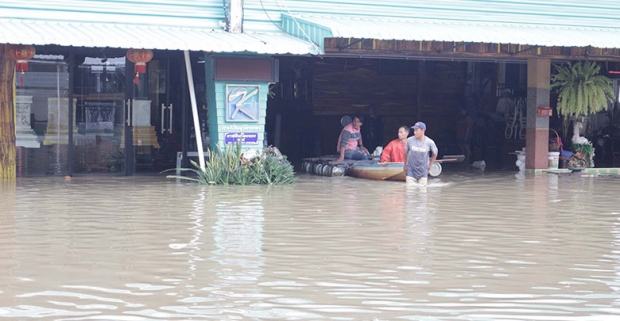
x,y
417,163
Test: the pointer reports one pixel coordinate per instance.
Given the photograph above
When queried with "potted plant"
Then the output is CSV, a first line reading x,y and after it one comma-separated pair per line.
x,y
582,91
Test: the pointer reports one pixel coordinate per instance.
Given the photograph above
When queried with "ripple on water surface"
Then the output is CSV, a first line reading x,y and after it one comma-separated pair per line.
x,y
473,246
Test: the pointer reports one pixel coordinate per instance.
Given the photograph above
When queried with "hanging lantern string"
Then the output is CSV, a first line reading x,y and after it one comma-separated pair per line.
x,y
139,68
22,65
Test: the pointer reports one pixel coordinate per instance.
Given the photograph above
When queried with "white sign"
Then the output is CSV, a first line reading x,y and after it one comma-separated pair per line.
x,y
241,128
242,103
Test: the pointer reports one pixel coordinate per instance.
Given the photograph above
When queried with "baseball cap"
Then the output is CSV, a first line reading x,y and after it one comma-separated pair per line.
x,y
420,125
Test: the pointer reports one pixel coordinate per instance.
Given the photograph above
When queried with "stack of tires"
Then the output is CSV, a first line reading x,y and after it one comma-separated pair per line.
x,y
321,169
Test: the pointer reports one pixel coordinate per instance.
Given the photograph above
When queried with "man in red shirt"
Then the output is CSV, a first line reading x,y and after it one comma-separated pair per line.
x,y
395,150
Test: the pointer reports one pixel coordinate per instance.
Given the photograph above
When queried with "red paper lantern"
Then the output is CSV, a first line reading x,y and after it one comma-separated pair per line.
x,y
21,53
139,57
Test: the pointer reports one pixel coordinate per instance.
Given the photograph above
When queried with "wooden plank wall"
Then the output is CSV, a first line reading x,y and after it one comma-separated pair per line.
x,y
400,92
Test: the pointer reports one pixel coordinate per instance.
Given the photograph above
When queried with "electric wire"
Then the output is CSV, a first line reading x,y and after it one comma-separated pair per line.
x,y
316,47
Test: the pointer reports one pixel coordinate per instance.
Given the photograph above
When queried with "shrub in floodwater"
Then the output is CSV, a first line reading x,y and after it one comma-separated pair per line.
x,y
230,167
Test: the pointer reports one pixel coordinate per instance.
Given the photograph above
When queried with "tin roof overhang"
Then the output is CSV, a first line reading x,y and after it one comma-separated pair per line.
x,y
149,36
317,28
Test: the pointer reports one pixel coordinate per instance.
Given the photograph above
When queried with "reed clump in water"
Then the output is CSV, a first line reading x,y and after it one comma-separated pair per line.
x,y
232,167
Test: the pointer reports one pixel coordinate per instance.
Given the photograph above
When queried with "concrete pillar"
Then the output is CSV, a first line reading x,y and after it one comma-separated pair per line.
x,y
537,128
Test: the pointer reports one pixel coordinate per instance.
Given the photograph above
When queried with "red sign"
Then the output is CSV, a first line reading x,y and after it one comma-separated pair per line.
x,y
544,111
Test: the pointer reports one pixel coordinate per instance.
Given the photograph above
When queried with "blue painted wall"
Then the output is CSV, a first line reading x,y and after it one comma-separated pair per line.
x,y
216,110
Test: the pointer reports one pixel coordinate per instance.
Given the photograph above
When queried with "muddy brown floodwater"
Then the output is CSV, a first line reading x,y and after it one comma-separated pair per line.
x,y
495,246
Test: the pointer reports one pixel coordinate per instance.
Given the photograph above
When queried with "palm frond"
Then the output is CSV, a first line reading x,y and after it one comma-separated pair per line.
x,y
581,89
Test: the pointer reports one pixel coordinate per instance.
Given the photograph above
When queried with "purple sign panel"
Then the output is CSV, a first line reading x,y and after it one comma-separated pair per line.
x,y
244,138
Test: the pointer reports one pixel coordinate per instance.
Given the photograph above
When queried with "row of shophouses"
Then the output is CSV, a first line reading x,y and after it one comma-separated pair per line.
x,y
124,87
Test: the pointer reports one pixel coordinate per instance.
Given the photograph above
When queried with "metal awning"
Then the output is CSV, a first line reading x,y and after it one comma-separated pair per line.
x,y
318,28
119,35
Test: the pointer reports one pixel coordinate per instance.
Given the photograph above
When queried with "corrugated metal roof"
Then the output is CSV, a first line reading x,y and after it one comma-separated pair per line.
x,y
191,24
320,27
156,24
571,13
533,22
186,13
116,35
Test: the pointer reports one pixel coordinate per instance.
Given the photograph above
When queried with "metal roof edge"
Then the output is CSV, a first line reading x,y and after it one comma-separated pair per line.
x,y
305,29
381,28
96,34
320,20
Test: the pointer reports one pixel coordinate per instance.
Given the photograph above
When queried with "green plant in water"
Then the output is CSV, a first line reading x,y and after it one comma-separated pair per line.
x,y
584,148
585,151
229,168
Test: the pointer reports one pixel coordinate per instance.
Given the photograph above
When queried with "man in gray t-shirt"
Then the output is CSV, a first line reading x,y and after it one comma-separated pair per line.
x,y
416,162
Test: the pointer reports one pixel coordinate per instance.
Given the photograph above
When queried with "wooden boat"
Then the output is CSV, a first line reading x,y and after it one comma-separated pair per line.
x,y
394,171
377,171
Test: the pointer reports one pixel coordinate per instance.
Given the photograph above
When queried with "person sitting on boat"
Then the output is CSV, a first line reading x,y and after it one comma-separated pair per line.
x,y
417,163
350,145
395,150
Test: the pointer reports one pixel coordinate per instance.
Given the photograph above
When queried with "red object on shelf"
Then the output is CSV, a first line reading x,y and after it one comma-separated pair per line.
x,y
544,111
139,57
21,53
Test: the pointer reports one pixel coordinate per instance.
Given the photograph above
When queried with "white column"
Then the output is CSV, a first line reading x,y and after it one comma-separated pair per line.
x,y
24,135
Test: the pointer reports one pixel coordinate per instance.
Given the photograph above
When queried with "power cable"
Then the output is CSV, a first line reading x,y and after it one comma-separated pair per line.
x,y
316,47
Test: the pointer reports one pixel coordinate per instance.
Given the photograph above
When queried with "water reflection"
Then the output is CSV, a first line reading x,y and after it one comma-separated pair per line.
x,y
473,246
237,235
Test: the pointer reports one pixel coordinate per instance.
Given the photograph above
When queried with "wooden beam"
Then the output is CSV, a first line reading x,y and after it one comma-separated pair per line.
x,y
442,49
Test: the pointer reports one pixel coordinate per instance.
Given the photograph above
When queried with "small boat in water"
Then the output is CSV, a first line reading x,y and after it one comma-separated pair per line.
x,y
377,171
394,171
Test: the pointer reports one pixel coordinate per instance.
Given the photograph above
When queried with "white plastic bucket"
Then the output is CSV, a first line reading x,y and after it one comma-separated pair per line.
x,y
435,170
554,160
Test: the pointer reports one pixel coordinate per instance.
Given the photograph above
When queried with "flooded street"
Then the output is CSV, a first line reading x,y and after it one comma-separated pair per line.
x,y
471,246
